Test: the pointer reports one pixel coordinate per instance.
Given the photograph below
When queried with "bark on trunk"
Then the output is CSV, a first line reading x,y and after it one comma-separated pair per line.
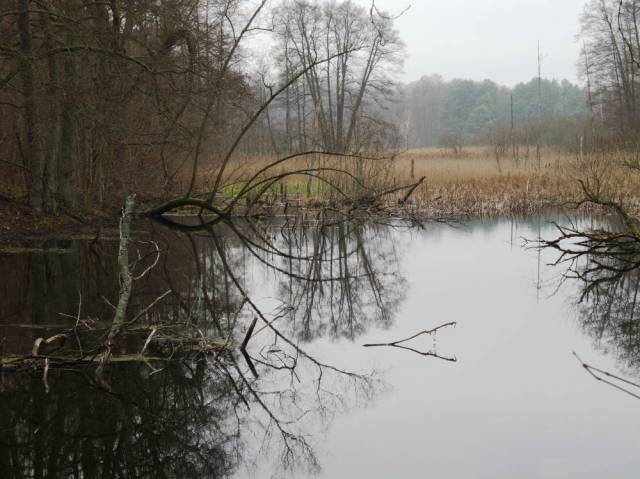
x,y
126,278
32,134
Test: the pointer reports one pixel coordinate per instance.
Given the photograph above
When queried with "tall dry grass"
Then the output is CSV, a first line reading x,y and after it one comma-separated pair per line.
x,y
473,182
477,183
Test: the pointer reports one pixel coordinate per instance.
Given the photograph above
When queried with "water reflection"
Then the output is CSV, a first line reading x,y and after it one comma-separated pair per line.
x,y
178,423
607,272
343,281
319,290
609,314
195,417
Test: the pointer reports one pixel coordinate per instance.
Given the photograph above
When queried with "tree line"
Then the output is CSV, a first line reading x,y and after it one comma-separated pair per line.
x,y
610,65
100,99
435,112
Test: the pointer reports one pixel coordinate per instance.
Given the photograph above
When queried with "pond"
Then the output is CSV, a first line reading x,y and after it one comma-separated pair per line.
x,y
498,394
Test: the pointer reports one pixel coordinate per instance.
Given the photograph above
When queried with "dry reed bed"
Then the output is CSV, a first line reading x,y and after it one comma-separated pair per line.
x,y
475,183
471,183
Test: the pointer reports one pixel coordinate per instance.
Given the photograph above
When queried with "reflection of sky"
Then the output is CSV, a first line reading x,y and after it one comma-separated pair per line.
x,y
516,405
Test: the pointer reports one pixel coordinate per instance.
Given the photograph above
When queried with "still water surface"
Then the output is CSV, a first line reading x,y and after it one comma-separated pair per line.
x,y
516,403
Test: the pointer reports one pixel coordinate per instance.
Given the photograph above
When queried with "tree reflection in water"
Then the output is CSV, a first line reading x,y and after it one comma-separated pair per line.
x,y
176,423
202,415
607,268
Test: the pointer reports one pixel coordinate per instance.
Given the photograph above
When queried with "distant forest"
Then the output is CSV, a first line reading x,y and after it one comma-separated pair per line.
x,y
434,112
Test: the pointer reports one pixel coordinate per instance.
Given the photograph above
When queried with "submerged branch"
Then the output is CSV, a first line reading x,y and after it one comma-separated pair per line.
x,y
593,370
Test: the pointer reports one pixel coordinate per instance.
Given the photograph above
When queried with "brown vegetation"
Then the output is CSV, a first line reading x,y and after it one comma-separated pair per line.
x,y
469,183
478,184
475,183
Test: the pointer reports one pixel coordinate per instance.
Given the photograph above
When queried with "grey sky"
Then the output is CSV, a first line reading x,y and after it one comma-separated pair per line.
x,y
494,39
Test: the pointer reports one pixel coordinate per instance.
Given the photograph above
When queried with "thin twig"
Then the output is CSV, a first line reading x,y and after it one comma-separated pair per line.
x,y
145,310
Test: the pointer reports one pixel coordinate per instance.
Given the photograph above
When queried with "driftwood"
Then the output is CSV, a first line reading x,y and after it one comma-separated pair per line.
x,y
60,351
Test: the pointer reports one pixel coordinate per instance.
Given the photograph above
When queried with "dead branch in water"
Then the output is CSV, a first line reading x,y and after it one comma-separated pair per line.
x,y
243,346
592,370
411,190
594,196
247,337
431,332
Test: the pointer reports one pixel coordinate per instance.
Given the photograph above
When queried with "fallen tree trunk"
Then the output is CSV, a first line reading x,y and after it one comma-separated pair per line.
x,y
182,203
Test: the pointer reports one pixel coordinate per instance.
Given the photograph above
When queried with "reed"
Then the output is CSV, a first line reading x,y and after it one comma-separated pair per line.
x,y
473,182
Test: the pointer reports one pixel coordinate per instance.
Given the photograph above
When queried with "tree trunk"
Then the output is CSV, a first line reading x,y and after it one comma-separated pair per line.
x,y
51,135
32,134
66,167
125,276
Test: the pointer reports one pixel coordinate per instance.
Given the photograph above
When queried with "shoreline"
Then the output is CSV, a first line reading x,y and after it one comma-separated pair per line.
x,y
30,227
471,185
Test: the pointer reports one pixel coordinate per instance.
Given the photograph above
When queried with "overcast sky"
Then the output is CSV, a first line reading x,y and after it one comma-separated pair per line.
x,y
495,39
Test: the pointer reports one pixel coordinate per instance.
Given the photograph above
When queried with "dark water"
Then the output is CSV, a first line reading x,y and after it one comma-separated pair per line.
x,y
515,403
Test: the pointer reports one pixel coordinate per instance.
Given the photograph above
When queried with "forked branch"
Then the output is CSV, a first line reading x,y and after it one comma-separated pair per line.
x,y
430,332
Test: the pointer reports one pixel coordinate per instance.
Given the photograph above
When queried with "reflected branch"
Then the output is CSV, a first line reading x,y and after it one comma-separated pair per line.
x,y
593,371
430,332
